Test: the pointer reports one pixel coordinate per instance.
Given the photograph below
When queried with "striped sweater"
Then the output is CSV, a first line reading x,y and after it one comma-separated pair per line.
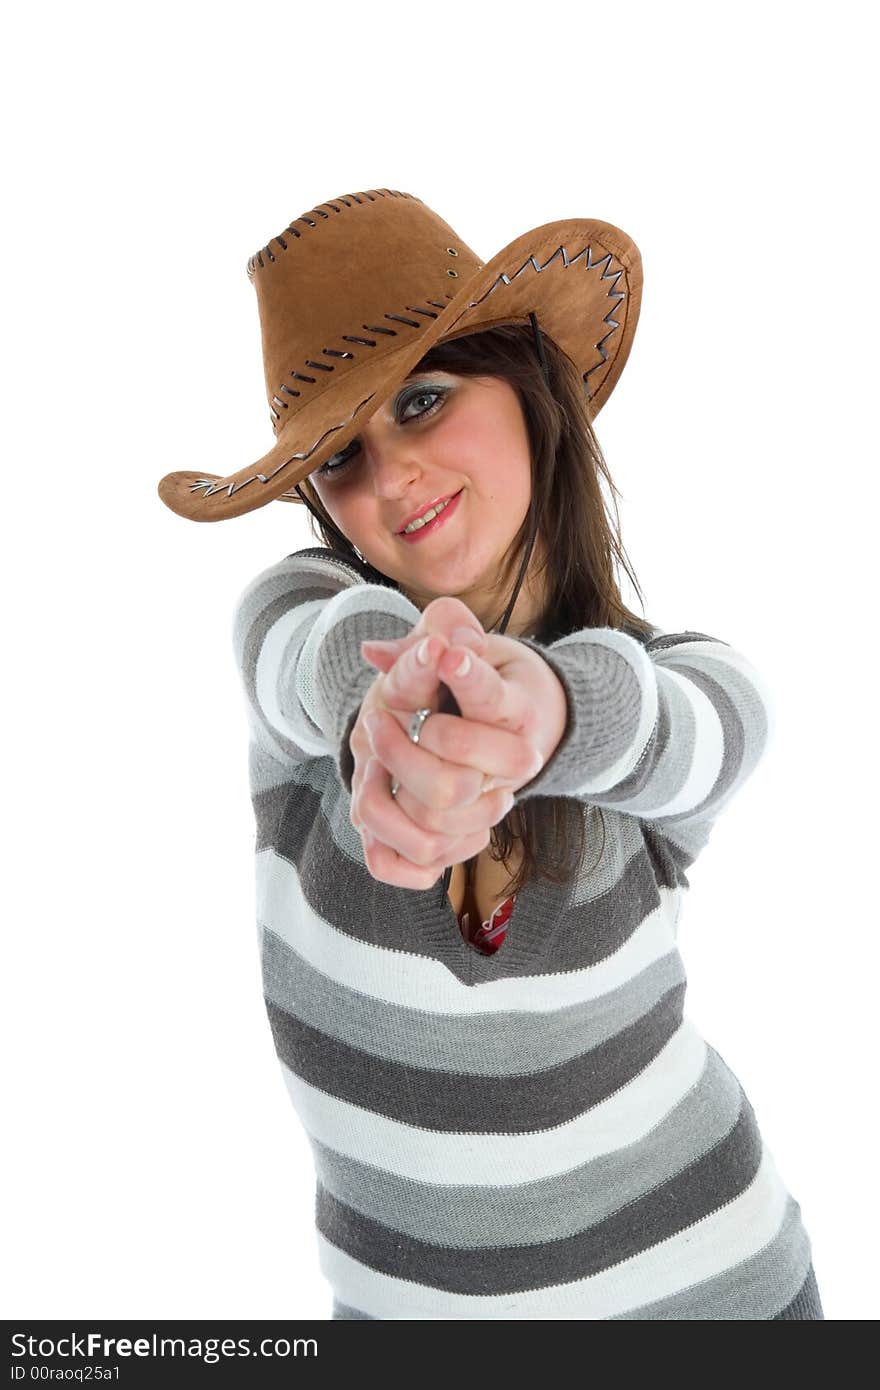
x,y
540,1132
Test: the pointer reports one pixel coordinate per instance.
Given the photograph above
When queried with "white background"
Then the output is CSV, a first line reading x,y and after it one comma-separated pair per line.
x,y
154,1167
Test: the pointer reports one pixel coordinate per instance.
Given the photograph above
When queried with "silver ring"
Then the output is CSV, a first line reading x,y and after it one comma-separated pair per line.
x,y
415,730
415,733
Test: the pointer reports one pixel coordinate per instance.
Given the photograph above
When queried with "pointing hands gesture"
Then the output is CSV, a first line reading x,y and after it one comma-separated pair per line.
x,y
513,715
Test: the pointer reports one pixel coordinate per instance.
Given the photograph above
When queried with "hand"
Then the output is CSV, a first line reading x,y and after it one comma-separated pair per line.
x,y
424,851
513,715
424,686
440,618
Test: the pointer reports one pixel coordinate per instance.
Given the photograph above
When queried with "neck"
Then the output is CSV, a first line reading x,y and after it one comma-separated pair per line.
x,y
489,605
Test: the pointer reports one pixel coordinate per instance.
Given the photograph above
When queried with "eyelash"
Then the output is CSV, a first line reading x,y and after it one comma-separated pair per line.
x,y
331,470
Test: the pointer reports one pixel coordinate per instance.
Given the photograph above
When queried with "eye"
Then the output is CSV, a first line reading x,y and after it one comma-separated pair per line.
x,y
338,463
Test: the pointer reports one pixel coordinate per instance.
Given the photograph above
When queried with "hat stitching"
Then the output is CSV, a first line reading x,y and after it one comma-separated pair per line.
x,y
351,338
257,257
211,485
568,262
503,279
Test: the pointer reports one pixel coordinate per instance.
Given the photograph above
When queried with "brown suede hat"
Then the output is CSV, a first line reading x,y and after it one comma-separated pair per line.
x,y
353,293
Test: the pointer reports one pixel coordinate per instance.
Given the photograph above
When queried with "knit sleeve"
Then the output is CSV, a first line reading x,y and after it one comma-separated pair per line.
x,y
665,729
296,635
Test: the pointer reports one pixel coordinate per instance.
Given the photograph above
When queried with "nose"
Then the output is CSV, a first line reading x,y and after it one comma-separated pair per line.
x,y
393,461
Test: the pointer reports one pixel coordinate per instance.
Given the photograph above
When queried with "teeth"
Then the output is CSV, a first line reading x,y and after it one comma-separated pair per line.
x,y
429,516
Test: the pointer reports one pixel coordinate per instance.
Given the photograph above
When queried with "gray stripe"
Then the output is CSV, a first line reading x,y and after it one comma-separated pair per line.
x,y
743,1293
752,1290
491,1044
546,1209
549,931
712,1180
605,697
806,1306
665,641
475,1104
666,767
344,1310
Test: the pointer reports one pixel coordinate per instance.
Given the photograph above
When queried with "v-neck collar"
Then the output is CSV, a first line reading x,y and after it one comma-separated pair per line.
x,y
538,907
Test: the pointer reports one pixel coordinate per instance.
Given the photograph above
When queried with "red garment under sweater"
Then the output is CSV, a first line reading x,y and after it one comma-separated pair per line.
x,y
487,937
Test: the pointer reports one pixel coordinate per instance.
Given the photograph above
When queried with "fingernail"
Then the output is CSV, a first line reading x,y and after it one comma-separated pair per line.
x,y
464,665
423,652
372,723
495,782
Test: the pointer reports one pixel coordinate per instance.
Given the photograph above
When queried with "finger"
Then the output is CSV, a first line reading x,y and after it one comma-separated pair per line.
x,y
372,647
383,654
389,644
475,818
376,813
480,689
490,806
446,613
387,866
382,659
412,682
380,817
437,619
446,768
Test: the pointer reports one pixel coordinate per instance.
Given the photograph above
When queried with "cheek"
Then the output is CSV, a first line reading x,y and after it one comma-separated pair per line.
x,y
352,513
498,466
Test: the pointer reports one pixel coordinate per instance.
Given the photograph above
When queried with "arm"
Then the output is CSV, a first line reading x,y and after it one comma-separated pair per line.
x,y
296,635
666,730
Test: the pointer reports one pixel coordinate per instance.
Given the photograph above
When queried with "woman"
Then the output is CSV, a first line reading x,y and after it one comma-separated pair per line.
x,y
475,991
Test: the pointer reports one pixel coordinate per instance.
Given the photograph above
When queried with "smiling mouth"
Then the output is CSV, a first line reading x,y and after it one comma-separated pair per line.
x,y
419,522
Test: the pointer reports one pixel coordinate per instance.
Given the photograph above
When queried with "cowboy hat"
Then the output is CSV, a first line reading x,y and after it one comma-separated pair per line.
x,y
354,292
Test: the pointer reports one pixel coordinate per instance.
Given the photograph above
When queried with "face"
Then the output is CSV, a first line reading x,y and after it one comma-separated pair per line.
x,y
439,435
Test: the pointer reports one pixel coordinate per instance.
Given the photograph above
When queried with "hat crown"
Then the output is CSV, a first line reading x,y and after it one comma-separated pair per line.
x,y
347,281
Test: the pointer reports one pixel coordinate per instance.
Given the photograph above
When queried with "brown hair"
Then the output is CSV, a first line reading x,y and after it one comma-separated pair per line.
x,y
576,530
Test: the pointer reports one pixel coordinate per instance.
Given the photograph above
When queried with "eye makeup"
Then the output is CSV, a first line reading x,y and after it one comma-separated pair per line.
x,y
409,392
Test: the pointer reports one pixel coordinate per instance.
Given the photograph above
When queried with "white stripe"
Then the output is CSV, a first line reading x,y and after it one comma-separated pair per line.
x,y
733,1233
497,1160
421,982
705,744
272,652
706,656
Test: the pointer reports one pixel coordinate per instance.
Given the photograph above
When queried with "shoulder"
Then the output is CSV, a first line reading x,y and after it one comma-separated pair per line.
x,y
358,569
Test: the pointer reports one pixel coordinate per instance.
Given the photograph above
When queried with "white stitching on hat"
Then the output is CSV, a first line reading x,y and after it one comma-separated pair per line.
x,y
211,485
568,262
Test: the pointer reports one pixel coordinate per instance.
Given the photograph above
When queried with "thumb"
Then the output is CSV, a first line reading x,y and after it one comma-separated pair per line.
x,y
475,638
445,615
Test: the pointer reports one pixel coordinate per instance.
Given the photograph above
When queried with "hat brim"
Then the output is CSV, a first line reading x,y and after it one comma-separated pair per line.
x,y
588,316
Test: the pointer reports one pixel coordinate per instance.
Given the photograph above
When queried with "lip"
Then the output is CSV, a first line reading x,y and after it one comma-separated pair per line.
x,y
414,516
436,523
